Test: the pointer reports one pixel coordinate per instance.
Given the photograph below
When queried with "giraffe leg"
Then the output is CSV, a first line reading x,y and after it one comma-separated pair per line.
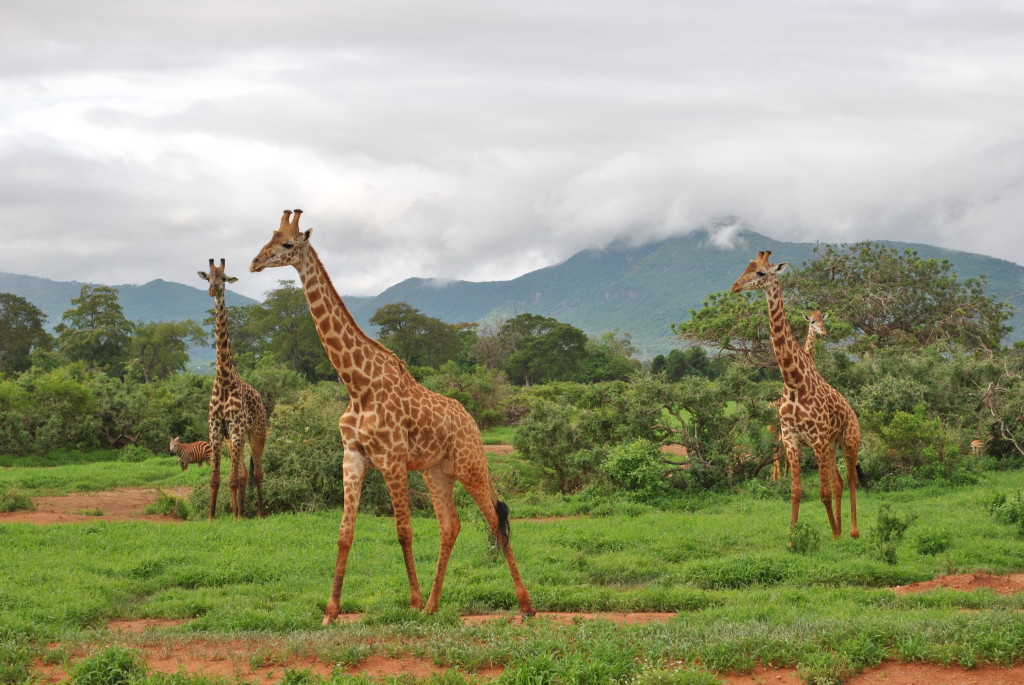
x,y
851,449
826,475
238,475
354,472
257,439
214,469
483,494
397,481
792,448
440,487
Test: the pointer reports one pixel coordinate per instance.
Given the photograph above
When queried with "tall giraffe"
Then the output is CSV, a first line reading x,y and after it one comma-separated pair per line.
x,y
394,424
236,410
815,326
812,412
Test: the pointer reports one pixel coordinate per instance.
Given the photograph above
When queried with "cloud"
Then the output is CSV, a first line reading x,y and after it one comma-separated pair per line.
x,y
454,140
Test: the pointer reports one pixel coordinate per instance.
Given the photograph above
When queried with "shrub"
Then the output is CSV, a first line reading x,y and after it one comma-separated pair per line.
x,y
932,542
804,539
169,505
109,666
15,500
917,447
889,530
636,466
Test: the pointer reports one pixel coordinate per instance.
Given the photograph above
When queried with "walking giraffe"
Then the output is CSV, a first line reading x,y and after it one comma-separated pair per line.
x,y
394,424
812,412
236,410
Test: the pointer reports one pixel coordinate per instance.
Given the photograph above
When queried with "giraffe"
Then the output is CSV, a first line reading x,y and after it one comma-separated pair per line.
x,y
236,410
393,424
815,326
812,412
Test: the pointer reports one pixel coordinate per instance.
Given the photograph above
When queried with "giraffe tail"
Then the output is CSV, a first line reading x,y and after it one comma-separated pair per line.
x,y
862,479
504,528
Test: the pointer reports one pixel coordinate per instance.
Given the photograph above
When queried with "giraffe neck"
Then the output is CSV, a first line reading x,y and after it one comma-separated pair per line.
x,y
356,356
225,373
793,362
809,341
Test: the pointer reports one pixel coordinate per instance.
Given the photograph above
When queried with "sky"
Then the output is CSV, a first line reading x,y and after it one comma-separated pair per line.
x,y
482,140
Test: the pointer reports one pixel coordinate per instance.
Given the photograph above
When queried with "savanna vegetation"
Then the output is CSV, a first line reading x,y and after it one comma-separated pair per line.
x,y
701,531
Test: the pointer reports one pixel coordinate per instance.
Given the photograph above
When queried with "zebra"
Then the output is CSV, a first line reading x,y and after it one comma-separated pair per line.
x,y
191,452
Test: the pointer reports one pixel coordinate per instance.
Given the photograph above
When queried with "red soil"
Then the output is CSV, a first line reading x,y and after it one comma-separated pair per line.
x,y
82,507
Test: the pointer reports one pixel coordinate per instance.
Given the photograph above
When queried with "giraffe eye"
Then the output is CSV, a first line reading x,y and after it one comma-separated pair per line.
x,y
760,273
287,246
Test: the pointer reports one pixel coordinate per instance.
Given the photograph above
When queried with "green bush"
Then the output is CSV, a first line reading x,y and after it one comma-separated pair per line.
x,y
109,666
15,500
636,467
804,539
888,532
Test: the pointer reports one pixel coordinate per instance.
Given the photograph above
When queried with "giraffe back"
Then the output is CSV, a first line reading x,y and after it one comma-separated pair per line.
x,y
198,452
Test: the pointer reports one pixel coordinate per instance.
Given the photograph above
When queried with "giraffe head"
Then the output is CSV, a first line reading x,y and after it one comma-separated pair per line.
x,y
217,278
286,246
759,273
816,321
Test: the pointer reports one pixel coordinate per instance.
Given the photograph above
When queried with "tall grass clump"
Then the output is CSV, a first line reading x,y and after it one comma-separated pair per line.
x,y
15,500
109,666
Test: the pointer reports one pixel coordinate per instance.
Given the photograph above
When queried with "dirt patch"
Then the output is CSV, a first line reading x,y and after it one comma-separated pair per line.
x,y
141,625
893,673
125,504
1003,585
499,449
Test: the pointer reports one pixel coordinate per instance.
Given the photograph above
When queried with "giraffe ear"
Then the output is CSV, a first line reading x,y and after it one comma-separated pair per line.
x,y
231,279
807,318
780,268
824,317
305,235
203,275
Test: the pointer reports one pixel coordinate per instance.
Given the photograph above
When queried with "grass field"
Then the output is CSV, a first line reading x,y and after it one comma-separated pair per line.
x,y
743,596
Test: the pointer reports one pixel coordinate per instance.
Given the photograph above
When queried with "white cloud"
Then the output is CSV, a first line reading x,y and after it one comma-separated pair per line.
x,y
464,140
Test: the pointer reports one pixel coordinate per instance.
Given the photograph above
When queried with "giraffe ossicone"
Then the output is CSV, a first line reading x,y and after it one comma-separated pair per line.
x,y
393,424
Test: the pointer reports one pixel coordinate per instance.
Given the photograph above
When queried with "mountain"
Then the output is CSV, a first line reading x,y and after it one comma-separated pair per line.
x,y
155,301
638,290
643,289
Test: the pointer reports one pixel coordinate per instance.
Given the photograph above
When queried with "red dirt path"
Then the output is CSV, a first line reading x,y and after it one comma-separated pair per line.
x,y
82,507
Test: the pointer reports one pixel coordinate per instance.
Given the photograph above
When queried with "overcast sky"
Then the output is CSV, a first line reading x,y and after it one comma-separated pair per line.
x,y
481,140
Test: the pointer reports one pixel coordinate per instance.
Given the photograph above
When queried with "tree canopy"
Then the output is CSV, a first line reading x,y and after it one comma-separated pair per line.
x,y
22,326
95,329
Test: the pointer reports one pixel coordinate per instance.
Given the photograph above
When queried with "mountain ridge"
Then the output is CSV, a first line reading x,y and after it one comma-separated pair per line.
x,y
635,289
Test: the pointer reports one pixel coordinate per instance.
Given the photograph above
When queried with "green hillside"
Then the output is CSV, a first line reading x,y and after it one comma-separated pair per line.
x,y
642,290
151,302
636,289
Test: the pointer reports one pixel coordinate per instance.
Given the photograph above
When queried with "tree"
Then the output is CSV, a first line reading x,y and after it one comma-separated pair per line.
x,y
609,358
896,298
22,325
693,361
283,320
160,349
545,349
95,329
735,324
418,339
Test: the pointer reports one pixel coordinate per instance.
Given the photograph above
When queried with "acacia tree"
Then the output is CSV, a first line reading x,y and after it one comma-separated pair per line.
x,y
545,349
418,339
95,329
22,326
160,349
893,298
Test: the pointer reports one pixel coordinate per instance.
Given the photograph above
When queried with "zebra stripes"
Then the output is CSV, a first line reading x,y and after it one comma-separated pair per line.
x,y
191,452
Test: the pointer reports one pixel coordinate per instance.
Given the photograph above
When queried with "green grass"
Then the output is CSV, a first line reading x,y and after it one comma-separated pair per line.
x,y
742,597
107,475
502,435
